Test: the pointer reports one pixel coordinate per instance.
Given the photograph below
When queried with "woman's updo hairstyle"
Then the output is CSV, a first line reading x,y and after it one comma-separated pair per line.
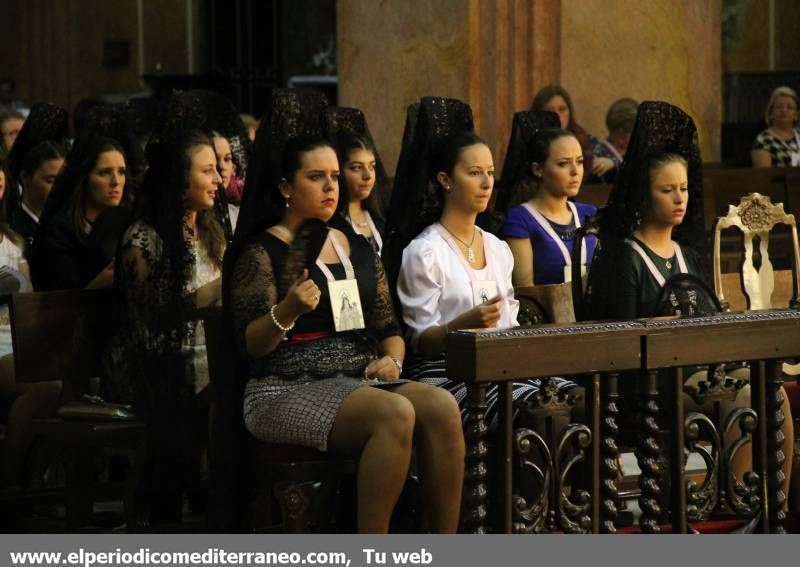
x,y
446,153
295,149
539,146
40,153
443,157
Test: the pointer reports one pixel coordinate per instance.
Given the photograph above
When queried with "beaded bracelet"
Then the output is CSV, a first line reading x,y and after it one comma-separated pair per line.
x,y
283,329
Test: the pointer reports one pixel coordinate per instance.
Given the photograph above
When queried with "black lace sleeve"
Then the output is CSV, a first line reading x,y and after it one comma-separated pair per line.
x,y
253,290
143,280
380,315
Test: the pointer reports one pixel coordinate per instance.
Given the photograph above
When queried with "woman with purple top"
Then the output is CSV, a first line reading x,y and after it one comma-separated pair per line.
x,y
540,230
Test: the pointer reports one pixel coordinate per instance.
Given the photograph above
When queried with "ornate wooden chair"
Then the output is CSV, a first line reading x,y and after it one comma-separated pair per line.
x,y
756,216
759,285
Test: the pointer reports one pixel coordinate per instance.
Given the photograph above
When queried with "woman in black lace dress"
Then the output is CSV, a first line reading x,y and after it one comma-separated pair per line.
x,y
168,263
314,380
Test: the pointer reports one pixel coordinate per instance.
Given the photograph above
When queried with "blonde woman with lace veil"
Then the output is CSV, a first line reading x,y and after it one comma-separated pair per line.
x,y
168,264
652,233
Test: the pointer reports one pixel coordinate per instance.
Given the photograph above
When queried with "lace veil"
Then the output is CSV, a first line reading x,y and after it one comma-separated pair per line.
x,y
415,201
46,122
209,112
660,127
338,120
103,121
515,186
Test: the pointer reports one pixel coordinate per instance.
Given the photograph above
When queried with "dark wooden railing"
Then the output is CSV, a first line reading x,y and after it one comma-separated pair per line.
x,y
601,353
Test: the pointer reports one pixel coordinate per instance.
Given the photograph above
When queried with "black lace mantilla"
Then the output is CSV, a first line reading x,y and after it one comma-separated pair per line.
x,y
515,185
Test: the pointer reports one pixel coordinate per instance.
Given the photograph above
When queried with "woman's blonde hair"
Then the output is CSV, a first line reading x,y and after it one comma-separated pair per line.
x,y
780,91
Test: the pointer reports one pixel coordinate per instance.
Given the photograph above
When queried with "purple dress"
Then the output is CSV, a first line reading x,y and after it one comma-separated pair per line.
x,y
548,261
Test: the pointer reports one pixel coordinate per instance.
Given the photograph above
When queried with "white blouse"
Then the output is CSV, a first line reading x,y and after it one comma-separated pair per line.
x,y
434,287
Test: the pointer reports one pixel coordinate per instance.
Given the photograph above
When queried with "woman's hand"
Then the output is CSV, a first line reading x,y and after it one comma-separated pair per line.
x,y
302,297
384,369
483,316
602,165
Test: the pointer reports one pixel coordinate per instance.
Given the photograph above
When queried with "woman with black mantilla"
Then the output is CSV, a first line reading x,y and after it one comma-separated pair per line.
x,y
363,177
452,274
168,264
281,306
653,230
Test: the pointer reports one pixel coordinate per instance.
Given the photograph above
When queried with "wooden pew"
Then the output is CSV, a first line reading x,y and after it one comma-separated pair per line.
x,y
601,351
728,185
595,194
482,357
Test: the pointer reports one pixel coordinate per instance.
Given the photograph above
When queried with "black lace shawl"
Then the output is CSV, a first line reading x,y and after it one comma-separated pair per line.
x,y
514,187
660,127
337,120
209,112
145,115
415,201
292,113
46,122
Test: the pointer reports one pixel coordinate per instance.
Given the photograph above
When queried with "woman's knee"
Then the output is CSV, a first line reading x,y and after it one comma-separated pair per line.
x,y
439,411
395,414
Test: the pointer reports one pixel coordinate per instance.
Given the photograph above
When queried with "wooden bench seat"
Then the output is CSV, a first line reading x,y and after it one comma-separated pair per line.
x,y
61,336
299,478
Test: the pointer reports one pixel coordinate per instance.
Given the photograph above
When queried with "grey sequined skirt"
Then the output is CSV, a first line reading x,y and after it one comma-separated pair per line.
x,y
297,402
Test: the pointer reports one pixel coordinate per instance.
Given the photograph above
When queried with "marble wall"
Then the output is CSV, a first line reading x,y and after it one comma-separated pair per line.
x,y
656,50
496,54
490,54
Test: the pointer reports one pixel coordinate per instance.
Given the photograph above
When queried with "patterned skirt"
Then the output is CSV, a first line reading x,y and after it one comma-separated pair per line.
x,y
305,384
432,370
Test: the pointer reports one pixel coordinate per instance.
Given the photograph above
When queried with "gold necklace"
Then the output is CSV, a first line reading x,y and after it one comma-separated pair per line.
x,y
470,251
364,223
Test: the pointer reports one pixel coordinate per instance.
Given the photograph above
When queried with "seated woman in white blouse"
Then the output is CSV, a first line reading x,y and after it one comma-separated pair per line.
x,y
455,275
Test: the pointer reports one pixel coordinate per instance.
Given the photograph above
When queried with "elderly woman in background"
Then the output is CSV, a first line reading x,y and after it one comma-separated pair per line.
x,y
779,144
620,118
